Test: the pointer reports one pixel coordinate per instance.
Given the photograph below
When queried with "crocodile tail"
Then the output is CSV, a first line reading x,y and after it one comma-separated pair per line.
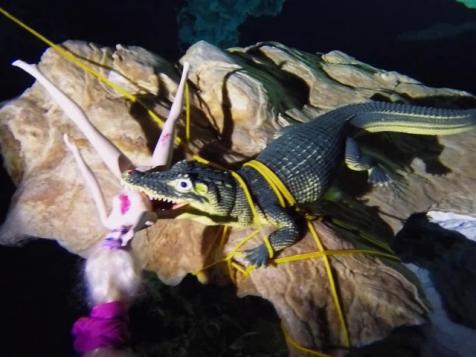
x,y
377,117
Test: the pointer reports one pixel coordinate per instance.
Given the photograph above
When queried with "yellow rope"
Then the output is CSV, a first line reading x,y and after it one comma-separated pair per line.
x,y
269,247
336,252
69,56
238,267
303,349
233,253
242,242
278,194
332,286
200,160
284,196
310,255
222,240
278,187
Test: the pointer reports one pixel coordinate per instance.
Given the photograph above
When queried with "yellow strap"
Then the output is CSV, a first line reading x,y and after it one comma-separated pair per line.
x,y
221,238
231,255
303,349
269,247
224,233
244,271
336,252
278,194
312,255
244,187
278,187
282,192
241,243
239,268
306,256
69,56
332,286
200,159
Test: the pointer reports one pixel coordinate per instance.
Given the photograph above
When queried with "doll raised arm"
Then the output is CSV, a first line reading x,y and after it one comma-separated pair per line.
x,y
162,154
108,152
91,182
114,159
131,211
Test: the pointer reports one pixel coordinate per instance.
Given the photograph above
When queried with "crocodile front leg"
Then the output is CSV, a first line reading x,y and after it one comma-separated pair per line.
x,y
287,233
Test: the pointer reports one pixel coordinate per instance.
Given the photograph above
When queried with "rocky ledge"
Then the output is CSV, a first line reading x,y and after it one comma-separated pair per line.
x,y
240,99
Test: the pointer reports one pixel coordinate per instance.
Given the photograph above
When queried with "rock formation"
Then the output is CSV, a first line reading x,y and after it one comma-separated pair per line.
x,y
240,99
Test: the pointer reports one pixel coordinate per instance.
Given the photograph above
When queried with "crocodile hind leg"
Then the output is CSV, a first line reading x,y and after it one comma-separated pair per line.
x,y
287,234
357,161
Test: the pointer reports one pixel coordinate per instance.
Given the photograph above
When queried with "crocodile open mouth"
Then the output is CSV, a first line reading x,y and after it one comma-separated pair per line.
x,y
162,205
159,203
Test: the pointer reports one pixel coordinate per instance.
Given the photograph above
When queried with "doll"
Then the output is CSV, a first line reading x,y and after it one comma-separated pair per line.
x,y
112,272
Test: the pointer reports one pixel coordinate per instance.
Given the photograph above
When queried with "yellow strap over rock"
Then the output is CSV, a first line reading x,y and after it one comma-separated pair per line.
x,y
71,57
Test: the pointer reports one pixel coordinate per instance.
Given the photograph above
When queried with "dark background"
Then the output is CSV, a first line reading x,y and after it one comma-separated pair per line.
x,y
40,284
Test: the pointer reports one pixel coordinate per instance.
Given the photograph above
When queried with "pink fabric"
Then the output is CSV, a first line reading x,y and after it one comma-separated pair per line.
x,y
125,203
106,326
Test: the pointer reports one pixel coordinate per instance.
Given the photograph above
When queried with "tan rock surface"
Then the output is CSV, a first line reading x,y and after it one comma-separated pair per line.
x,y
374,296
240,98
421,191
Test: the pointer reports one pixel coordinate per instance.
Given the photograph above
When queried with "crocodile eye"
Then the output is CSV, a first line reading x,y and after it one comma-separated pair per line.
x,y
183,185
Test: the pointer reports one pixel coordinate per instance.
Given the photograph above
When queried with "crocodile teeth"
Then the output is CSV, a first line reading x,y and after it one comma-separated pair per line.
x,y
153,197
178,205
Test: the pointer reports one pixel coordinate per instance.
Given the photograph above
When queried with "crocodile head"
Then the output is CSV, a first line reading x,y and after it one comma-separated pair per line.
x,y
203,191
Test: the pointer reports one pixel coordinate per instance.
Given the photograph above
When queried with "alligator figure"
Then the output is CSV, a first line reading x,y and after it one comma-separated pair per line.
x,y
304,158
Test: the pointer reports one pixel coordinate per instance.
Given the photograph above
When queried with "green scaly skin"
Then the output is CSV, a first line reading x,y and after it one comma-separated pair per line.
x,y
305,158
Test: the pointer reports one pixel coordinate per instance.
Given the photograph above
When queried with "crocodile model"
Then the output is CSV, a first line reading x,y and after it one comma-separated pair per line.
x,y
304,158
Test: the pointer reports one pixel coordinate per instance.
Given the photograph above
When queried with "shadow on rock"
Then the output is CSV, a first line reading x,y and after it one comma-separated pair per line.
x,y
450,259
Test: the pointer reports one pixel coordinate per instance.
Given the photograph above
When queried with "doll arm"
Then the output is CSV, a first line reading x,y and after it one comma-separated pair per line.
x,y
91,182
162,154
129,208
109,153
